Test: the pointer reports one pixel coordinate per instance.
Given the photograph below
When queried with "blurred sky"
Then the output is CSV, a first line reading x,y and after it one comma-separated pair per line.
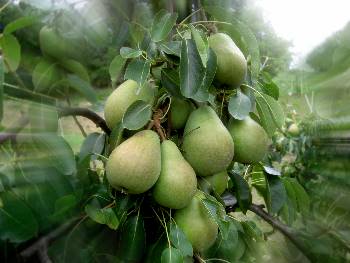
x,y
305,22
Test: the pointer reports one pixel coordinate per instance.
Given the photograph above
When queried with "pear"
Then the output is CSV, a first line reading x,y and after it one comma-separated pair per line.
x,y
207,144
251,140
135,164
199,228
217,182
179,111
231,63
177,182
121,98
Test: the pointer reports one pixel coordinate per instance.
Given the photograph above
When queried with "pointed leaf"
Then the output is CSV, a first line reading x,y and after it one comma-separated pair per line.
x,y
82,87
137,115
11,50
93,144
104,216
171,82
202,44
126,52
179,240
191,69
116,67
276,195
242,191
116,136
171,48
162,25
172,255
20,23
239,105
138,70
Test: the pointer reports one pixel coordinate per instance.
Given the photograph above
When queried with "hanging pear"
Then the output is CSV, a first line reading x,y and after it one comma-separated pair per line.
x,y
199,228
251,140
177,182
207,144
179,112
122,97
135,164
217,182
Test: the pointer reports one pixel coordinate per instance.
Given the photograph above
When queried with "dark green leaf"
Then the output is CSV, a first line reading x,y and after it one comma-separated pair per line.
x,y
288,211
83,87
191,69
104,216
270,113
276,194
179,240
93,144
116,136
239,105
56,151
162,25
2,72
242,191
116,67
202,44
171,48
252,230
127,52
138,70
19,23
63,205
170,81
203,94
132,240
137,115
11,50
303,199
227,249
172,255
18,223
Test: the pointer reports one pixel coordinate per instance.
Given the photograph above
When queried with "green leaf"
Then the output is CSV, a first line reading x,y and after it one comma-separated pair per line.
x,y
191,69
43,118
105,216
289,208
268,86
56,151
179,240
17,222
171,48
241,188
137,115
227,249
276,194
63,205
46,75
239,105
76,68
25,94
93,144
2,72
203,94
202,44
116,136
170,81
252,230
126,52
171,255
82,87
138,70
303,200
20,23
132,240
270,113
162,25
116,67
259,180
11,50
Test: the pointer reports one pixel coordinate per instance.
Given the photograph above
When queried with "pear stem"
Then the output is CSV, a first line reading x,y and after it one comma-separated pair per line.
x,y
157,116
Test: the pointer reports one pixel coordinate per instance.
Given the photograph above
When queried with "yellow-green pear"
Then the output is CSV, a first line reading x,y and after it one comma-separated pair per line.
x,y
199,228
293,130
231,63
135,164
217,182
251,140
122,97
207,144
177,182
179,111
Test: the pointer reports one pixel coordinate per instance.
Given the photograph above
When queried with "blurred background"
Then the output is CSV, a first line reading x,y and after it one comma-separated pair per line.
x,y
304,50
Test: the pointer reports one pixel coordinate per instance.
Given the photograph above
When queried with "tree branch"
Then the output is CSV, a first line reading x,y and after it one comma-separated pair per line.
x,y
84,112
284,229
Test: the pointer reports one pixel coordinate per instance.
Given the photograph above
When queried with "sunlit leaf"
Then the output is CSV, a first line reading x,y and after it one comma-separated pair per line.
x,y
239,105
20,23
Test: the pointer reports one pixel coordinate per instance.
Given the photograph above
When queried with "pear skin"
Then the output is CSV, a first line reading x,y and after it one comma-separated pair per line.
x,y
195,222
179,112
218,182
135,164
231,63
207,144
177,182
251,140
122,97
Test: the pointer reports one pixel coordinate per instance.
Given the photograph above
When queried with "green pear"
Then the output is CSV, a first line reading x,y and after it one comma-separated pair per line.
x,y
121,98
251,140
293,130
179,111
207,144
135,164
217,182
199,228
231,63
177,182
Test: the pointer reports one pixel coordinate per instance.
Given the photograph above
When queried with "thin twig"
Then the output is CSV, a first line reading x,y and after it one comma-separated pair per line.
x,y
81,128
